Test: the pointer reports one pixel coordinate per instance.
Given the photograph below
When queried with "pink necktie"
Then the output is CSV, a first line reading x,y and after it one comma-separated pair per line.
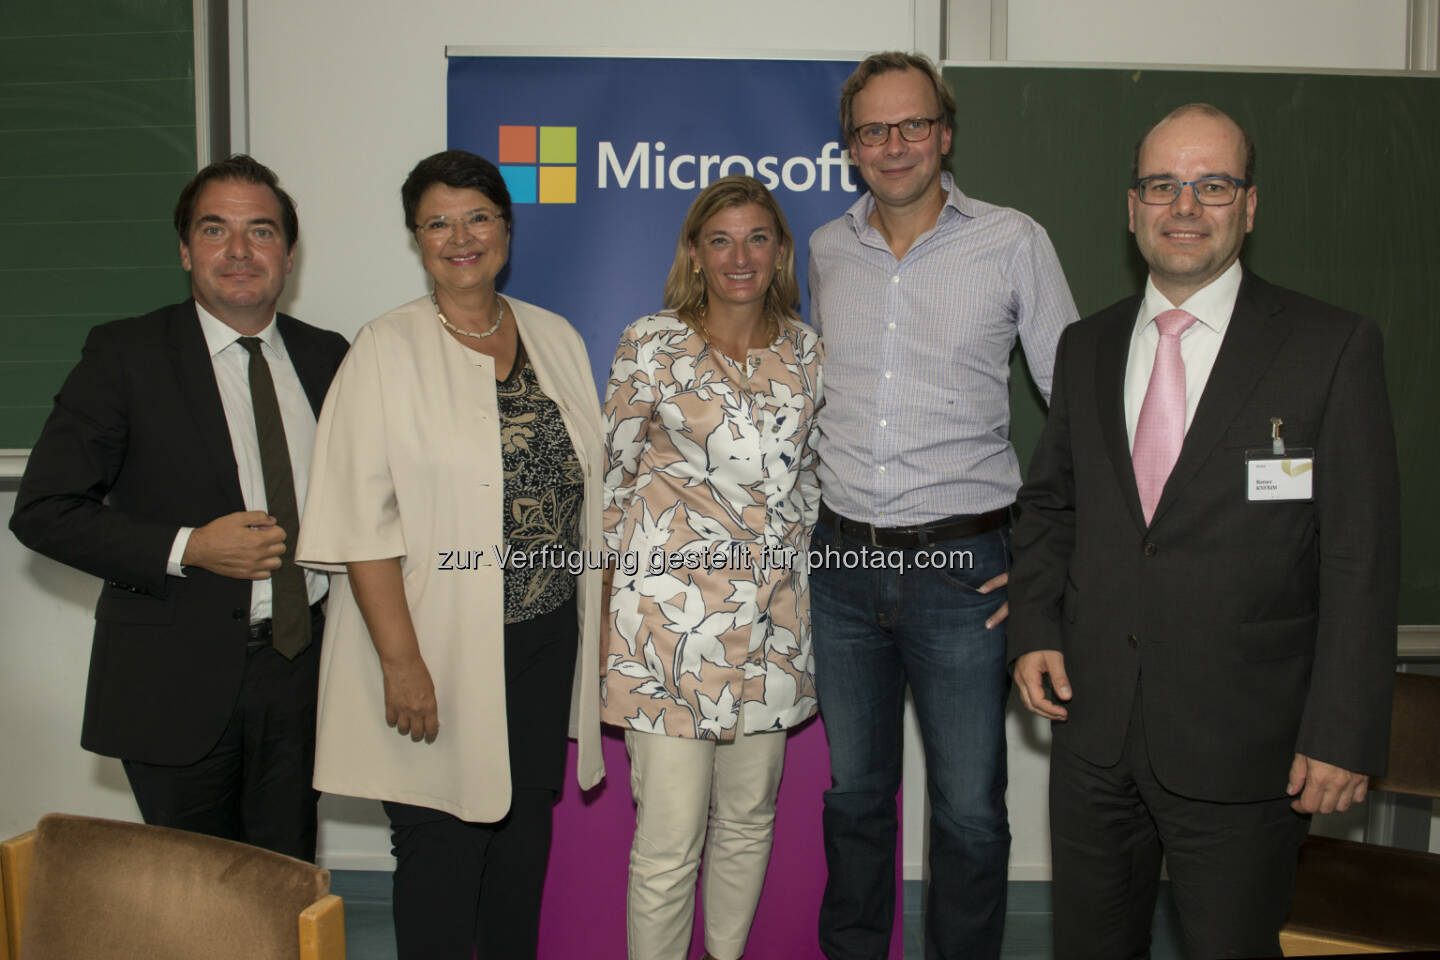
x,y
1161,427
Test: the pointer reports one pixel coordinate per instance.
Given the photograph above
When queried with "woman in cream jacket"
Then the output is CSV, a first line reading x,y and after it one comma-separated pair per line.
x,y
456,482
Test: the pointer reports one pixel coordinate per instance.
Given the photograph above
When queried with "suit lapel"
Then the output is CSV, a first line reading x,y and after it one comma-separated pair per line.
x,y
1252,339
195,373
1112,354
307,363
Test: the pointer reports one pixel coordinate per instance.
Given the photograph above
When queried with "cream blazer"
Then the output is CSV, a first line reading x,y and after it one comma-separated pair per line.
x,y
407,464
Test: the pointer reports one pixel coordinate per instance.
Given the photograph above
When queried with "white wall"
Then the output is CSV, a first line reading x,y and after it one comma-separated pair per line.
x,y
45,627
1327,34
344,96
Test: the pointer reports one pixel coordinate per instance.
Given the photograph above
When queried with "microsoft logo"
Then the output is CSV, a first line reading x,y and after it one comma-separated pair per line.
x,y
553,179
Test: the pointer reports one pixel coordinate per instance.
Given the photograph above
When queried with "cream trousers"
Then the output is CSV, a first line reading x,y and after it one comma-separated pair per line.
x,y
681,787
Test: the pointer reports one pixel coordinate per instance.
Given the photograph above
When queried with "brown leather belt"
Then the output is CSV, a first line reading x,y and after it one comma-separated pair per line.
x,y
951,528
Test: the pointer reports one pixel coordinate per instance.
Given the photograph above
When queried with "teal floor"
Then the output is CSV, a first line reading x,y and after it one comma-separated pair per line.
x,y
369,931
369,935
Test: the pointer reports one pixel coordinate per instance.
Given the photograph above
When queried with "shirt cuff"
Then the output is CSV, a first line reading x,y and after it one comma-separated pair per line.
x,y
177,550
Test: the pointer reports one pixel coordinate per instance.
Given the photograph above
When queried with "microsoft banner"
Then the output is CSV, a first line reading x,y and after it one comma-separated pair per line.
x,y
603,157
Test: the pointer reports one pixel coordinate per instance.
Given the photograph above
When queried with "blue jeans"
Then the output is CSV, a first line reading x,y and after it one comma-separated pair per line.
x,y
875,630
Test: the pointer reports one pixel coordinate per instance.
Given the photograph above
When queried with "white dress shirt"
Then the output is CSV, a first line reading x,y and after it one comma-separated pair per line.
x,y
232,374
1211,305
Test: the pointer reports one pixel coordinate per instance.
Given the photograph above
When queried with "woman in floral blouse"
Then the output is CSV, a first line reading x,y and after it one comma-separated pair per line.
x,y
710,494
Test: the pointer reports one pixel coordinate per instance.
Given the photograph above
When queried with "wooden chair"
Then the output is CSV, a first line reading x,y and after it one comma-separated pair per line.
x,y
1365,898
109,890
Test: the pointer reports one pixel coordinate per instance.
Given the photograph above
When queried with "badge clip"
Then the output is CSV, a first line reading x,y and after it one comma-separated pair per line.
x,y
1279,473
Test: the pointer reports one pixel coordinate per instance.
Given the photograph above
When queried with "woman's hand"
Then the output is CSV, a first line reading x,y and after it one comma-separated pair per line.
x,y
410,699
410,706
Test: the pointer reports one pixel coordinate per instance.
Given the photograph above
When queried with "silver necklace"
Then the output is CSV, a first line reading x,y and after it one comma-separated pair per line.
x,y
499,316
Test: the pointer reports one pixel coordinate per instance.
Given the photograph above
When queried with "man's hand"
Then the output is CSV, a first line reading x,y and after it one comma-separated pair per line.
x,y
410,699
246,546
1029,670
995,583
1324,787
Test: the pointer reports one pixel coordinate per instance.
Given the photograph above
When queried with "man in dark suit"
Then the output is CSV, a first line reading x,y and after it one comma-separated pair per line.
x,y
173,467
1215,616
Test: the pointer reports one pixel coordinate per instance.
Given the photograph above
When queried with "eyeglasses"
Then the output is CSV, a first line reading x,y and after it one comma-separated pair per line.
x,y
476,223
914,130
1209,191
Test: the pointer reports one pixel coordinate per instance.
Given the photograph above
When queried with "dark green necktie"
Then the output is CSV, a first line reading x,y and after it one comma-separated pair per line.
x,y
290,605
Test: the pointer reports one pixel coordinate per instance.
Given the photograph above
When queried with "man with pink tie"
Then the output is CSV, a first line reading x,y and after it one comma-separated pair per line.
x,y
1206,568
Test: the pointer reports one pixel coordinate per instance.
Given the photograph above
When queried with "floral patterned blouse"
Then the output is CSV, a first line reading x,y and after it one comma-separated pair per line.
x,y
710,495
544,493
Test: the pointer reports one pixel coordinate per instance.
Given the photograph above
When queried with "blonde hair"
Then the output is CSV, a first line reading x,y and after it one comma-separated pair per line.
x,y
685,289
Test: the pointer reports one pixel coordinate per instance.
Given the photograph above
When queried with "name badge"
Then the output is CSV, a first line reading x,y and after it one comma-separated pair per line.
x,y
1288,476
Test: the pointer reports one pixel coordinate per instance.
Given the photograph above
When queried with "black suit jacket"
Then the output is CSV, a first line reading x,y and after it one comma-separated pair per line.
x,y
136,447
1255,630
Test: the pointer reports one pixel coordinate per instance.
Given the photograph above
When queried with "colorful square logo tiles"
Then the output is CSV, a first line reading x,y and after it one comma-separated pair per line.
x,y
538,163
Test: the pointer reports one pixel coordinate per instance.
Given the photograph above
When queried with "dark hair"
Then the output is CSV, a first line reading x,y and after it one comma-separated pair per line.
x,y
454,168
1204,109
245,169
878,63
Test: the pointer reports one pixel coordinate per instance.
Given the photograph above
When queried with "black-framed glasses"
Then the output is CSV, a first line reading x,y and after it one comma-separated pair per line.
x,y
913,129
1209,191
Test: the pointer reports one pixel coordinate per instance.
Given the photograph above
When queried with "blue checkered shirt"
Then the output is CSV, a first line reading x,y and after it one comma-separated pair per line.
x,y
916,422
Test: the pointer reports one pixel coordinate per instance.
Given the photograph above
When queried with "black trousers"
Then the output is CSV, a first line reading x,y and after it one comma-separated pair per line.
x,y
255,783
462,888
1231,865
470,889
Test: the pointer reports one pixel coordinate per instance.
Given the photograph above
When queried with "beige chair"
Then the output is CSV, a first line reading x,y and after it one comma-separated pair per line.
x,y
1364,898
108,890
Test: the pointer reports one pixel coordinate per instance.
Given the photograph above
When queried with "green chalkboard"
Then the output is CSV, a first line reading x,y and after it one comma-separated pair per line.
x,y
1349,211
97,136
